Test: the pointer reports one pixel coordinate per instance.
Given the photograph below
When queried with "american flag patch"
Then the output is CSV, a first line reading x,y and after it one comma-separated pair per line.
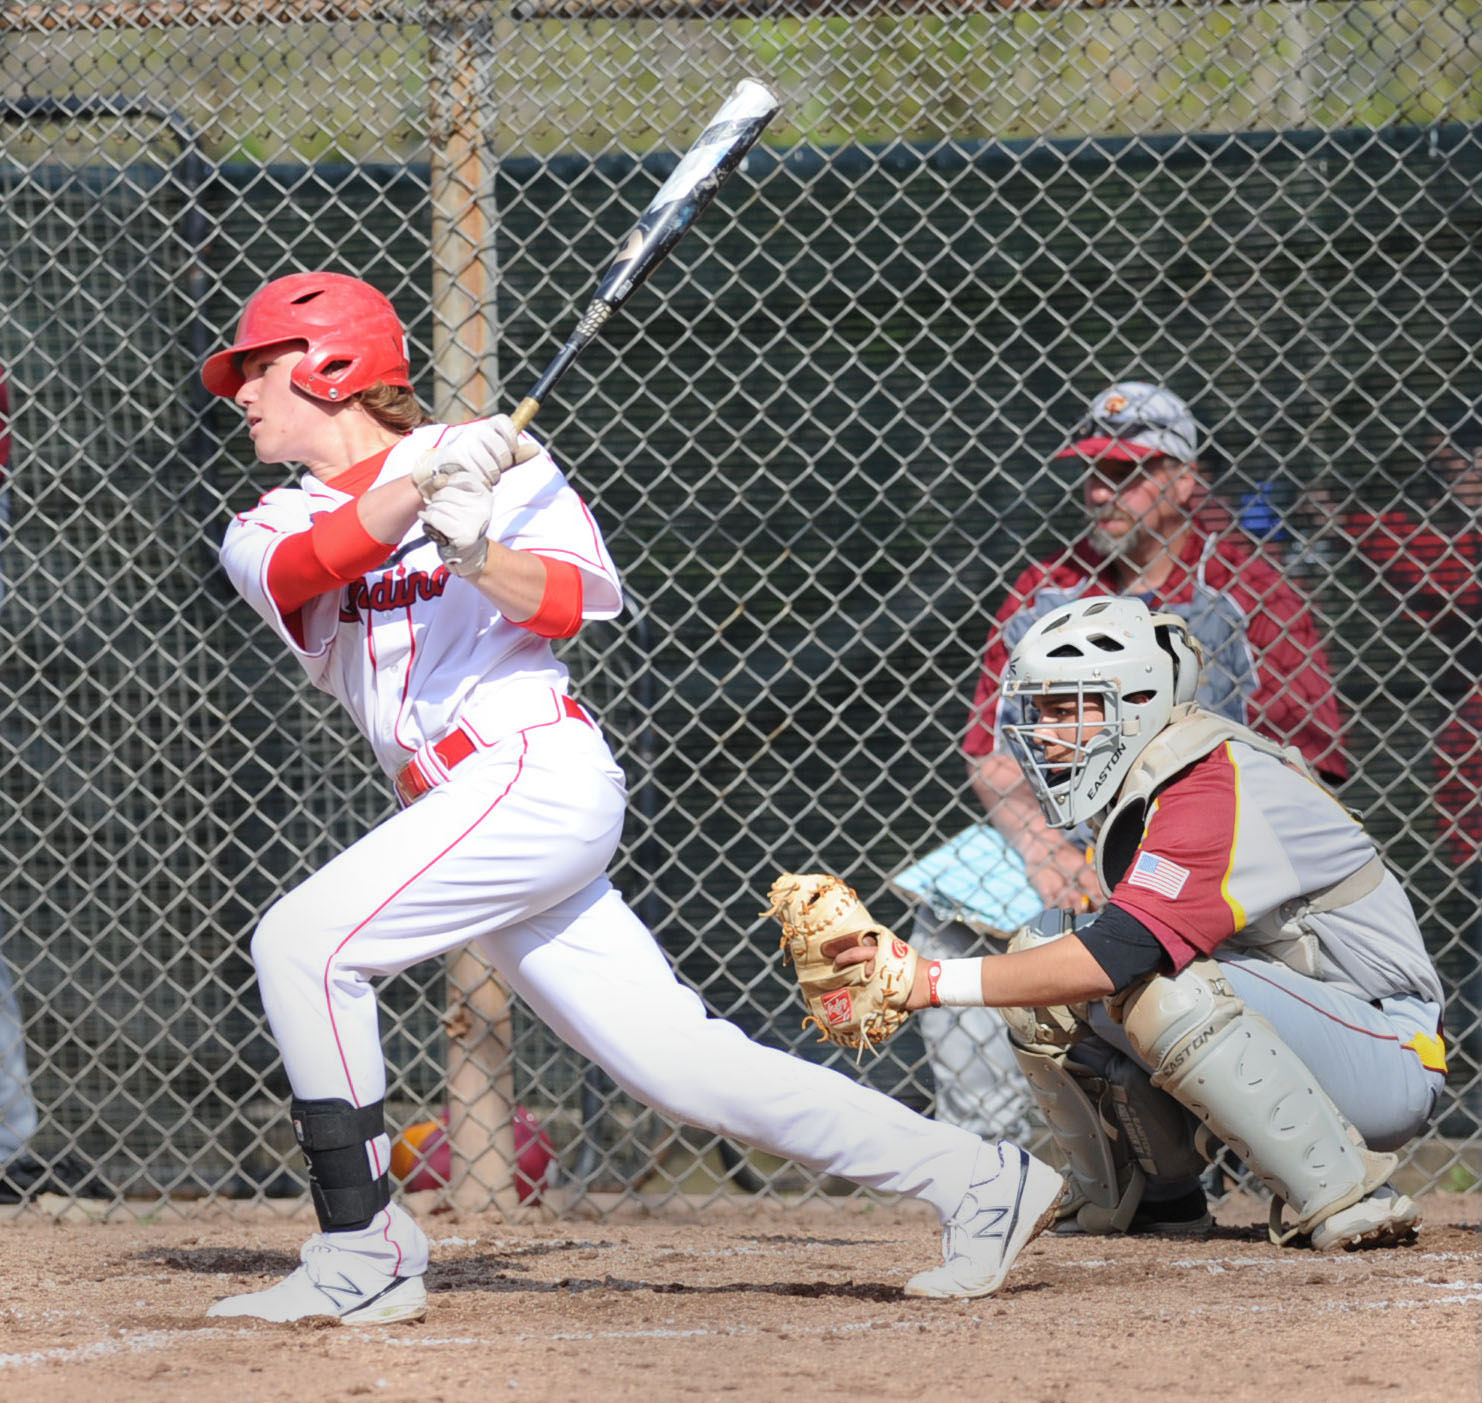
x,y
1158,874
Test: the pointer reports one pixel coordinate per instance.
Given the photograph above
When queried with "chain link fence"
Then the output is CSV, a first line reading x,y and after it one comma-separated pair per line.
x,y
821,444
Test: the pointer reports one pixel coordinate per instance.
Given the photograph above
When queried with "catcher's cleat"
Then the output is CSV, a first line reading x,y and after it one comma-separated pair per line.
x,y
1187,1215
1009,1202
1385,1218
332,1282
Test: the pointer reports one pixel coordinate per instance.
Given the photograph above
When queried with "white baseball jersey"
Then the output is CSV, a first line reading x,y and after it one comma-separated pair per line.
x,y
411,649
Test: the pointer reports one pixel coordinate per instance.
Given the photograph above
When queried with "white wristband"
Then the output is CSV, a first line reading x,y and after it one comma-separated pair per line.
x,y
960,984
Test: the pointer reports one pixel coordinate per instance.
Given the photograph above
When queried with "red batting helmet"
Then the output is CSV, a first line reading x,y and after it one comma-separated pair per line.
x,y
354,336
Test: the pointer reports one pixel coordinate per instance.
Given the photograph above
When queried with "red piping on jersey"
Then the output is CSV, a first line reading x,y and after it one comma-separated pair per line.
x,y
406,685
370,645
596,534
593,561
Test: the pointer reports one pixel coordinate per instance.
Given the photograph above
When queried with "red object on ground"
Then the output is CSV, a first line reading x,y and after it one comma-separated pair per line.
x,y
422,1158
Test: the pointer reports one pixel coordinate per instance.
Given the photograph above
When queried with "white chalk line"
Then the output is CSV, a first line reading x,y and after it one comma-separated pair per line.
x,y
1458,1292
1287,1261
151,1340
154,1340
103,1349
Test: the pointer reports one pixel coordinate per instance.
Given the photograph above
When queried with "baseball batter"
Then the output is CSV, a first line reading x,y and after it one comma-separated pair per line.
x,y
1257,977
419,573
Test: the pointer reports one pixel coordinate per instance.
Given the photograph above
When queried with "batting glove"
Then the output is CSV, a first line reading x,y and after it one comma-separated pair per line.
x,y
488,447
456,520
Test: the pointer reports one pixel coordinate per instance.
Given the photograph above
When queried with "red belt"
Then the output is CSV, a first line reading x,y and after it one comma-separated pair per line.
x,y
453,749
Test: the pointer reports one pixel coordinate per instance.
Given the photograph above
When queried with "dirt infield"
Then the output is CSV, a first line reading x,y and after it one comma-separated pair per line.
x,y
750,1303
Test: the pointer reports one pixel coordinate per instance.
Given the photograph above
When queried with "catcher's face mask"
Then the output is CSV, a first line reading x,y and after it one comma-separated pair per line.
x,y
1094,685
1069,746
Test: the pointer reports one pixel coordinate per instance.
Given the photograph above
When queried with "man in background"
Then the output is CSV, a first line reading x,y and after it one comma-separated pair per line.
x,y
1429,553
1153,532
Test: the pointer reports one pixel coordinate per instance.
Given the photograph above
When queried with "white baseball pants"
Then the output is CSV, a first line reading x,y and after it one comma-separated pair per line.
x,y
512,853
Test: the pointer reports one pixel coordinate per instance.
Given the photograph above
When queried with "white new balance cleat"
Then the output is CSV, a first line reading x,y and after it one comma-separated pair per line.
x,y
1010,1201
332,1282
1384,1219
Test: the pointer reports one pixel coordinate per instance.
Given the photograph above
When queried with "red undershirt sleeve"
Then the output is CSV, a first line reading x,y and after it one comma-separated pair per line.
x,y
335,550
559,615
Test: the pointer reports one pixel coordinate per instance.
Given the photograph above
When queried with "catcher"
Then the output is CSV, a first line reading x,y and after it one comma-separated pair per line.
x,y
1256,979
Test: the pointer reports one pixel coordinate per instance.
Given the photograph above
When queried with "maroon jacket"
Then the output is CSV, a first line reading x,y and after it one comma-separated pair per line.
x,y
1264,661
1438,577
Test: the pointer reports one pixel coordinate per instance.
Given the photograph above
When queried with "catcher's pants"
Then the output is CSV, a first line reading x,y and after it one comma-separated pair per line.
x,y
511,853
1356,1050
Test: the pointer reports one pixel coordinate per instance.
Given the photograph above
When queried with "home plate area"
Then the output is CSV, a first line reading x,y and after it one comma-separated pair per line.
x,y
749,1301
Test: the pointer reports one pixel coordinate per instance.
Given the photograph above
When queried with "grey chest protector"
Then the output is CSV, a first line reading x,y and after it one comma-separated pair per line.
x,y
1283,935
1191,734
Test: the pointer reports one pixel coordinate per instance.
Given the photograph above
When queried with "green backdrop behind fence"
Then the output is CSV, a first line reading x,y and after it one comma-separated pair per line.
x,y
821,446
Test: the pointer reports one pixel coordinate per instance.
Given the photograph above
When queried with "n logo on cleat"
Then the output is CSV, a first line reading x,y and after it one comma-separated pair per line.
x,y
992,1218
349,1291
346,1311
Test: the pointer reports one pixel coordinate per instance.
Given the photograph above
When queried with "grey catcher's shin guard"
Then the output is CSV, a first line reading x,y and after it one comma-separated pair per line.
x,y
1115,1130
1106,1180
333,1136
1232,1070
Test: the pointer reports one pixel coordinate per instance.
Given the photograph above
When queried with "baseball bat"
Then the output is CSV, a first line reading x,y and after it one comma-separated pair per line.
x,y
677,204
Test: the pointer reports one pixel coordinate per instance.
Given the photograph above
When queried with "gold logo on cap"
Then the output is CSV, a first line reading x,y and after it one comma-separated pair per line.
x,y
1115,404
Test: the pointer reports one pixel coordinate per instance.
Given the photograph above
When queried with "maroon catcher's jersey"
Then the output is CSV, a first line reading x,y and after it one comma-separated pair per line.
x,y
1238,836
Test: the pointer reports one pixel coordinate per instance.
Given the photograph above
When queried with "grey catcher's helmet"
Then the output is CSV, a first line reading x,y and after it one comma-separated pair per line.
x,y
1142,665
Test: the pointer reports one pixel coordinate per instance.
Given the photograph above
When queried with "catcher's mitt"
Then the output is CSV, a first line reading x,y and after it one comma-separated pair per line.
x,y
848,1007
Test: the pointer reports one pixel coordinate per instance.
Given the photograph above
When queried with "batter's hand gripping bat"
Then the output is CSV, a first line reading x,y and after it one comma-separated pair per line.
x,y
678,203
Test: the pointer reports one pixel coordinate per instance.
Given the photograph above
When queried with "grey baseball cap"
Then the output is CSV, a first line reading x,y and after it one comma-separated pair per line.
x,y
1135,420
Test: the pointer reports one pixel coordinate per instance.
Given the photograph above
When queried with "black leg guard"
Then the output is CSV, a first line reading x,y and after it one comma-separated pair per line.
x,y
333,1135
